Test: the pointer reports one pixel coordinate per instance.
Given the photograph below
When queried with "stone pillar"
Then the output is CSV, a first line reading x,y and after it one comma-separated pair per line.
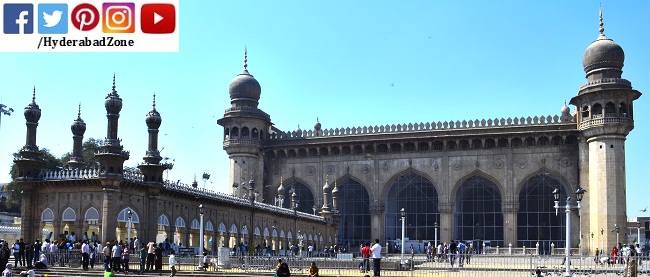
x,y
510,210
27,227
377,221
109,215
445,232
149,226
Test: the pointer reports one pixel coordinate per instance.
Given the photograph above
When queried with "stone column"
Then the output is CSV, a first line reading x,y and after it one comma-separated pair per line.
x,y
149,226
445,233
109,214
510,210
27,227
377,221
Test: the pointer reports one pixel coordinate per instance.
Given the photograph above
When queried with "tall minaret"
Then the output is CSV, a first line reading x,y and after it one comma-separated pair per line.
x,y
78,129
111,155
30,159
29,164
151,168
245,131
605,116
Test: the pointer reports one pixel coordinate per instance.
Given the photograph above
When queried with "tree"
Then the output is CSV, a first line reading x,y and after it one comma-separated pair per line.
x,y
14,197
89,148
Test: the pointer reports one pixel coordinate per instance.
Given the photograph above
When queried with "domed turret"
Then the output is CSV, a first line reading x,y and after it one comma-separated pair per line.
x,y
604,58
113,102
78,126
244,89
565,109
281,189
153,117
317,125
33,111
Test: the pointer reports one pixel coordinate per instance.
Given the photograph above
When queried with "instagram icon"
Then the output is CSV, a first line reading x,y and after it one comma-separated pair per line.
x,y
118,17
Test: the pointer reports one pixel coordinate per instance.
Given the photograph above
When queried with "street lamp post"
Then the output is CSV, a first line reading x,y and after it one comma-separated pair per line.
x,y
201,212
129,214
638,232
556,196
435,228
403,212
616,229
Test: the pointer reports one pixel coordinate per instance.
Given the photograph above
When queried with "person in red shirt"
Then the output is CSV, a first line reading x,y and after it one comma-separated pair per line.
x,y
614,254
365,251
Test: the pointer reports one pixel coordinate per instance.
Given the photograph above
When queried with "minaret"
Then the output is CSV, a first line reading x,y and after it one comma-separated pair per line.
x,y
294,198
281,194
111,155
78,129
245,131
335,198
605,116
327,189
30,159
151,167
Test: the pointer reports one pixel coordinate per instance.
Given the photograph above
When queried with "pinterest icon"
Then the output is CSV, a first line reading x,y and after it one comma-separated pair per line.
x,y
84,17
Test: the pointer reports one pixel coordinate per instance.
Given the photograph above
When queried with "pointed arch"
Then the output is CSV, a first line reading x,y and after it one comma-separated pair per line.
x,y
289,235
47,215
266,232
209,226
179,222
354,207
122,216
350,176
274,233
476,172
69,215
163,220
222,227
404,172
417,194
304,191
282,233
195,224
537,221
545,171
233,229
244,229
257,231
478,211
91,214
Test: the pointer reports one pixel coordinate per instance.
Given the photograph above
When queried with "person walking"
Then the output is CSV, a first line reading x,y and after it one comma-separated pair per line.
x,y
143,257
365,251
376,257
85,255
172,263
453,248
151,255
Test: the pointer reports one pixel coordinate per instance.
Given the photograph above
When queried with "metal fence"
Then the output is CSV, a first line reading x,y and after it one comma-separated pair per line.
x,y
393,265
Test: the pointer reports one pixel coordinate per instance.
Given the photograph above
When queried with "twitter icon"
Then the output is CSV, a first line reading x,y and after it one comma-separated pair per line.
x,y
52,18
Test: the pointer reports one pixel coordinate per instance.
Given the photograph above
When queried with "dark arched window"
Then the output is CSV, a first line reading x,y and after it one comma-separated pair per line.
x,y
516,142
536,218
313,152
477,144
451,145
543,141
234,133
244,132
438,145
324,151
423,146
610,109
464,145
597,110
503,142
489,143
478,214
303,195
358,149
419,198
395,147
302,152
354,208
255,134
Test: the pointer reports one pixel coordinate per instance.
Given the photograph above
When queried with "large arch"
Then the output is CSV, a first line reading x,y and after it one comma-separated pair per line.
x,y
536,218
354,207
304,194
419,198
478,216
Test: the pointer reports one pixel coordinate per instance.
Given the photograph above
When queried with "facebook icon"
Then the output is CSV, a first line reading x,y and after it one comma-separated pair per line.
x,y
18,19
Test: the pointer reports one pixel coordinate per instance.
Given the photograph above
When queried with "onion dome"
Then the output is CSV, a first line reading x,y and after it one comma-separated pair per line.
x,y
317,125
335,191
153,117
565,109
113,102
281,188
298,130
78,126
32,111
327,187
244,89
603,54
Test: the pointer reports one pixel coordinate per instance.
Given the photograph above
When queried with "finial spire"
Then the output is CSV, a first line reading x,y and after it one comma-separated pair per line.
x,y
34,95
154,101
79,111
114,83
280,180
245,58
601,30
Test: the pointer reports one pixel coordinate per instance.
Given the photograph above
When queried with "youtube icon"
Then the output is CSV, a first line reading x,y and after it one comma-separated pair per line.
x,y
158,18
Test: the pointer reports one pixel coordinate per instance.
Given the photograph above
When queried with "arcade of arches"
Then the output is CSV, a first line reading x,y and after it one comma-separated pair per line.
x,y
478,213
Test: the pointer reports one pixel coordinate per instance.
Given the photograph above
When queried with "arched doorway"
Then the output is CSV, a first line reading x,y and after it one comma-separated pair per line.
x,y
354,208
478,217
124,222
536,219
419,198
303,195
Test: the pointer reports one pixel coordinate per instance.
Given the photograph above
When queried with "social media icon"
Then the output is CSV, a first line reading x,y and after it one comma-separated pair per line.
x,y
158,18
118,17
52,18
18,19
84,17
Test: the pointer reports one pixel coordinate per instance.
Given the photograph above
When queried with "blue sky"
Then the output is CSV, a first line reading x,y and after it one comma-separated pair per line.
x,y
336,60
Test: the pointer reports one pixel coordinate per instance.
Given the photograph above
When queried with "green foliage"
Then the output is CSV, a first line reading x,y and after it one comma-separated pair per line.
x,y
90,146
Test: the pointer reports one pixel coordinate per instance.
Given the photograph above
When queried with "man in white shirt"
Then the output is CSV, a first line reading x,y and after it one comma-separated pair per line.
x,y
85,255
172,263
116,257
376,257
